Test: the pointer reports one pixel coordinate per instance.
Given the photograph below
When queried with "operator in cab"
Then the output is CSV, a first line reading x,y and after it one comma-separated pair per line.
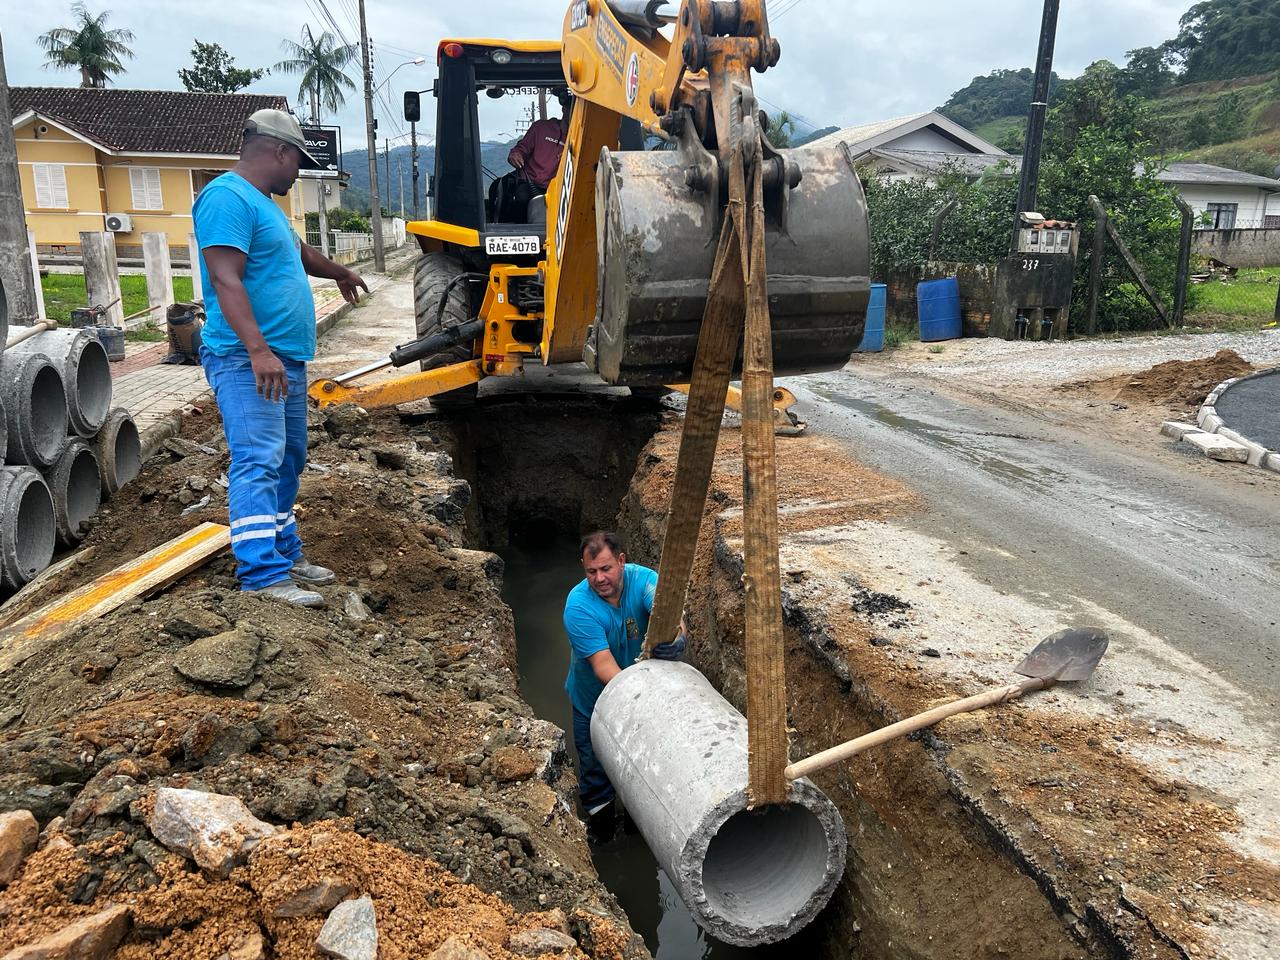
x,y
606,617
537,156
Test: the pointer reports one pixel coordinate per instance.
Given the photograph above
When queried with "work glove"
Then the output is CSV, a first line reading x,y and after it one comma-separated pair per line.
x,y
671,651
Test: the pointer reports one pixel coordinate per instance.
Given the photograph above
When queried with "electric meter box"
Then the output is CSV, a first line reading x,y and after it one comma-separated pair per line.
x,y
1033,285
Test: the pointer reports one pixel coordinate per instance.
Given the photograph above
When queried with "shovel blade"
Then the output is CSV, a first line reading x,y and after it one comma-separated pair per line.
x,y
1068,655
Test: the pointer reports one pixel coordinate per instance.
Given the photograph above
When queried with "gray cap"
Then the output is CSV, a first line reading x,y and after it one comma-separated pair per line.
x,y
281,126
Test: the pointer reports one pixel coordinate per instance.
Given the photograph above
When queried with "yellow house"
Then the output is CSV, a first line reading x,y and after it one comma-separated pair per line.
x,y
128,161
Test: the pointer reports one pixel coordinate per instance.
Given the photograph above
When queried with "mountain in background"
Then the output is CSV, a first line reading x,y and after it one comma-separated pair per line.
x,y
399,160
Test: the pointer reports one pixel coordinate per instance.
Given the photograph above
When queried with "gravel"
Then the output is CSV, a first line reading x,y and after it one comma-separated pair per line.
x,y
1007,362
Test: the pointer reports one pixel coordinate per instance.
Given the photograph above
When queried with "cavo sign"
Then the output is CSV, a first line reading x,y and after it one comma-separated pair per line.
x,y
325,144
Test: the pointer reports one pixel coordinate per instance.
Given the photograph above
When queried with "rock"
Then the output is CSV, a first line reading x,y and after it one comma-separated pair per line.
x,y
350,933
512,763
182,448
316,899
390,458
97,667
346,420
377,570
92,938
223,660
211,740
194,623
539,941
217,832
455,949
19,834
355,609
249,947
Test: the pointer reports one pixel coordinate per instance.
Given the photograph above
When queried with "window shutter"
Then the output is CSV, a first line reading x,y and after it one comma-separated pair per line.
x,y
144,182
51,185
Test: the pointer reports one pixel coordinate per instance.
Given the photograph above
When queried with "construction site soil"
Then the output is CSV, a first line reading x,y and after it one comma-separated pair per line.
x,y
388,724
1021,831
1180,386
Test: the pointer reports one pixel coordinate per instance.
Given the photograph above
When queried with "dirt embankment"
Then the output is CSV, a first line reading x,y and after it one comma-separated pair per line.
x,y
1015,832
389,722
1179,386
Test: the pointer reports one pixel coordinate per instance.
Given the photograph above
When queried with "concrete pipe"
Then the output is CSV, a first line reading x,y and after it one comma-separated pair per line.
x,y
86,374
119,451
4,318
676,752
27,526
36,408
4,431
75,483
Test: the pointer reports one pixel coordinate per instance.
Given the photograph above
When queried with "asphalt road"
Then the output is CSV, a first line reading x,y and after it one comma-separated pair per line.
x,y
1188,554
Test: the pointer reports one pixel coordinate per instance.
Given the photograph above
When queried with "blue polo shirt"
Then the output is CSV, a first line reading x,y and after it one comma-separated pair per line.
x,y
232,212
594,625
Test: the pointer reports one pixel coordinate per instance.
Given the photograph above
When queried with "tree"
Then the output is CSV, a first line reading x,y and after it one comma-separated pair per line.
x,y
1001,93
782,129
320,62
213,70
1221,39
1231,118
1148,71
88,47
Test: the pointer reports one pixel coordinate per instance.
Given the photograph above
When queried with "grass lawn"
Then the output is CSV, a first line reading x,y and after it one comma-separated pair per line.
x,y
1251,296
63,292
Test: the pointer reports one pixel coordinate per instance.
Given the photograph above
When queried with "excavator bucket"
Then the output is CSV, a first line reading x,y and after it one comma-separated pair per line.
x,y
659,215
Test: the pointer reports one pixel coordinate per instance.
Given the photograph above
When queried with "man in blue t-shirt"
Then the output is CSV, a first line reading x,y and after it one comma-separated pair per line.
x,y
606,618
260,333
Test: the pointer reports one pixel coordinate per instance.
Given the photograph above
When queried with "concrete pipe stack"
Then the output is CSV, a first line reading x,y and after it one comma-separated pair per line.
x,y
65,449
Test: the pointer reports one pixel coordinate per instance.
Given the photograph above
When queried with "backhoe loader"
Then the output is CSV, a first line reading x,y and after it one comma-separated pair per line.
x,y
611,265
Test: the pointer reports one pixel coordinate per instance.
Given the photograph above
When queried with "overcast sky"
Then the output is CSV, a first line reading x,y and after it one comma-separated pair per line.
x,y
843,61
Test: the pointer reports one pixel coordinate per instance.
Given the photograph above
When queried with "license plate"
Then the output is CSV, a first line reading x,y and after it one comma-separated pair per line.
x,y
512,246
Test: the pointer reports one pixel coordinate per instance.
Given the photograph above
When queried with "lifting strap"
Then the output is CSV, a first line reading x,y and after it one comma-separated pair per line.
x,y
738,288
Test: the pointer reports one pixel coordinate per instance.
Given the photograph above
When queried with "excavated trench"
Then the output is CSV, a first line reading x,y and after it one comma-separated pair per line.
x,y
923,879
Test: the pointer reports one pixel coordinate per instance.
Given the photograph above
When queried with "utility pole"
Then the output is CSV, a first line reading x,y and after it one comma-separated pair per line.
x,y
400,174
323,214
1028,186
379,257
386,165
413,163
15,259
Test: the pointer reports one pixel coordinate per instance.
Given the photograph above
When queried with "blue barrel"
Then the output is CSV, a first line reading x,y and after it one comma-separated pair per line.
x,y
938,303
112,340
873,332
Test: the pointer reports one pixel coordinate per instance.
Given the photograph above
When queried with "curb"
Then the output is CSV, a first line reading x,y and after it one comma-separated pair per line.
x,y
1227,444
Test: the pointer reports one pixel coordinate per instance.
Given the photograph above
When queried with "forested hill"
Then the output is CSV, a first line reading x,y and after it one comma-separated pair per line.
x,y
1213,90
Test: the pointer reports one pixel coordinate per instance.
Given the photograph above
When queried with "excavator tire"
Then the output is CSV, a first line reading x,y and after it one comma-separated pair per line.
x,y
431,276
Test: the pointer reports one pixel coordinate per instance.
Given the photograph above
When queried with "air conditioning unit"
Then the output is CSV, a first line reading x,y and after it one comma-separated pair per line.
x,y
119,223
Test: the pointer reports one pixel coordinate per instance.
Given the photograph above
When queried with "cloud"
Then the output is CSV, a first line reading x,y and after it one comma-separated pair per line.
x,y
844,61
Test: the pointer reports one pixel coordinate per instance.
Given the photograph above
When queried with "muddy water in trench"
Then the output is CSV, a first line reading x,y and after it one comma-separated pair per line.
x,y
538,577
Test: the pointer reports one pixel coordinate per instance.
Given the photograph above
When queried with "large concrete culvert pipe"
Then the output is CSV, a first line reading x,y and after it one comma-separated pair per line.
x,y
27,526
36,408
4,318
86,374
76,486
676,752
119,451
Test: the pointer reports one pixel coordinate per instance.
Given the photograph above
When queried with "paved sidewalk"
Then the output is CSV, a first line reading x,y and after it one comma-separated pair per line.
x,y
153,392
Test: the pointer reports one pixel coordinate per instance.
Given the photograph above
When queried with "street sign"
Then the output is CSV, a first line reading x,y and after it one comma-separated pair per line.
x,y
325,144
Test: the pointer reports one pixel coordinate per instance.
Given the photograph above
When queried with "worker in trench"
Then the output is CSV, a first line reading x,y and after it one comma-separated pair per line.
x,y
260,333
606,617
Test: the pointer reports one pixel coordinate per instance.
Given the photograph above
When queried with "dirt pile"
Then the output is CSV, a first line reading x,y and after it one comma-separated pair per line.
x,y
395,707
1180,385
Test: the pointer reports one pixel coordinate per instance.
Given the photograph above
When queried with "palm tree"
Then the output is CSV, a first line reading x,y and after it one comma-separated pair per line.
x,y
320,61
89,47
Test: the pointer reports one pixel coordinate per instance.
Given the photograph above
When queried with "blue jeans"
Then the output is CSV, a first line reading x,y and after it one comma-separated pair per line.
x,y
594,787
268,443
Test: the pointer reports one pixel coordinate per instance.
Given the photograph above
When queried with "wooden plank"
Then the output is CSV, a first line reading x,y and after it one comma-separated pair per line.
x,y
1184,261
25,598
1095,263
148,573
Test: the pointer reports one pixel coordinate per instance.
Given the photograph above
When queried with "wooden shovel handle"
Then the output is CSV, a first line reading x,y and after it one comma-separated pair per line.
x,y
820,761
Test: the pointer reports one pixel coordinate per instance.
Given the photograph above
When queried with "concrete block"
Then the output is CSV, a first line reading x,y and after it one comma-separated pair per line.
x,y
1271,462
102,275
1177,429
1211,424
1217,447
193,251
1206,410
1256,450
159,269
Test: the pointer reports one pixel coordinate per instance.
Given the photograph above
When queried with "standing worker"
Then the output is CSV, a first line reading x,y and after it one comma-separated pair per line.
x,y
606,617
260,333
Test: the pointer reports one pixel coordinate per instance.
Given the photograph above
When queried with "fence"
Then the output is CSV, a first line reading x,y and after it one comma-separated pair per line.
x,y
348,247
1220,293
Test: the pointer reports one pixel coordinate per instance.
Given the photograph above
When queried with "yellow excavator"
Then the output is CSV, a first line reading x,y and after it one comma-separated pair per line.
x,y
611,264
674,245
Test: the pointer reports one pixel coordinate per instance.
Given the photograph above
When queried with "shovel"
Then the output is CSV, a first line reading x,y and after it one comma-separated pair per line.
x,y
1066,656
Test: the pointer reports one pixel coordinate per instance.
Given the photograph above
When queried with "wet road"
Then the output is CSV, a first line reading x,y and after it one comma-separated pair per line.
x,y
1190,555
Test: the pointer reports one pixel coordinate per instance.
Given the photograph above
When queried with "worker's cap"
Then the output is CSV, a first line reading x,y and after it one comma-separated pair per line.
x,y
281,126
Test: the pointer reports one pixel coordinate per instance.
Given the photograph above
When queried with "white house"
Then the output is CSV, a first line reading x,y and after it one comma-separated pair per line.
x,y
1226,199
920,136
